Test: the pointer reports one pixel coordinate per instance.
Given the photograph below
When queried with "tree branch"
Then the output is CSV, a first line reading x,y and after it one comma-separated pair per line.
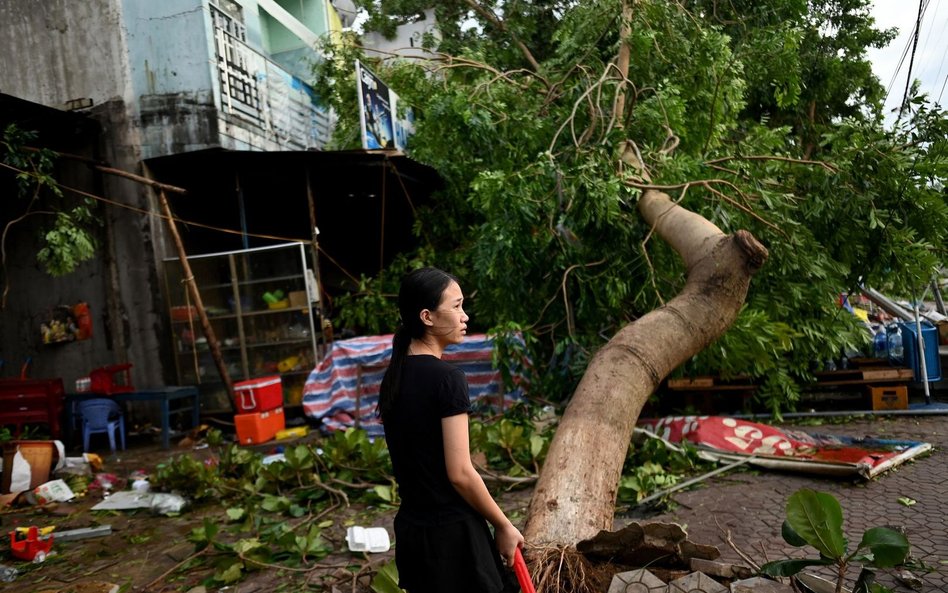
x,y
492,19
625,29
828,166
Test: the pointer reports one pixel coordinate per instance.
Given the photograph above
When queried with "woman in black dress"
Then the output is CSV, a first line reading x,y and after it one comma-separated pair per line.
x,y
442,541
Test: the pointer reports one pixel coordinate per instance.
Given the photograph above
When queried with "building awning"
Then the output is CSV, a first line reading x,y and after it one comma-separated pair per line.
x,y
364,202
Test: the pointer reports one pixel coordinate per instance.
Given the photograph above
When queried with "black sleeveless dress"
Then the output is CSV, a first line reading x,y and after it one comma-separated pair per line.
x,y
441,543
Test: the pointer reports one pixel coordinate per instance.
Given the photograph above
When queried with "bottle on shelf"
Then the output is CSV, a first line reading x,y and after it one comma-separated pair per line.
x,y
880,344
895,346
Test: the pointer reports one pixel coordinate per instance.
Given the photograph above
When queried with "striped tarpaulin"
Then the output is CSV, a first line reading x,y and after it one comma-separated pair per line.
x,y
343,389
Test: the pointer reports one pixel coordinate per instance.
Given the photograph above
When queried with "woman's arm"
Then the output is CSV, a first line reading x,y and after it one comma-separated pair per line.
x,y
465,479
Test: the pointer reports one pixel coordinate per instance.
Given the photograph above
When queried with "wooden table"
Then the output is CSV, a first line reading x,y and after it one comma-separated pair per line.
x,y
163,395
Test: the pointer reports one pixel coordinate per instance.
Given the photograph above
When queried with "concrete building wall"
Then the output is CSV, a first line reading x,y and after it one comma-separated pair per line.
x,y
173,75
51,52
57,50
150,69
407,41
34,295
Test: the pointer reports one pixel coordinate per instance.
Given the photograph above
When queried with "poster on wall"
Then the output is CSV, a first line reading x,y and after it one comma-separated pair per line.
x,y
375,110
384,123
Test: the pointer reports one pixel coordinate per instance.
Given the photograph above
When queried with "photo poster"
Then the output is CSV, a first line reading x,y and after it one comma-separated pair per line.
x,y
382,125
375,111
404,123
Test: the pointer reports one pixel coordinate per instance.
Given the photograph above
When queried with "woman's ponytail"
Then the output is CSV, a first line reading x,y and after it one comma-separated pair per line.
x,y
393,374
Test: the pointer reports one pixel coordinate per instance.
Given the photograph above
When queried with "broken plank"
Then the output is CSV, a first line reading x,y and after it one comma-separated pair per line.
x,y
690,382
891,374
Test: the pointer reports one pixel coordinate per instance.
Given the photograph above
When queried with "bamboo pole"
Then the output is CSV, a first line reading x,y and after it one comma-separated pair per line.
x,y
319,327
212,342
98,166
193,291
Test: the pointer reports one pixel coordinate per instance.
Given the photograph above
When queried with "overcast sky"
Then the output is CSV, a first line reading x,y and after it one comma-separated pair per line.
x,y
930,64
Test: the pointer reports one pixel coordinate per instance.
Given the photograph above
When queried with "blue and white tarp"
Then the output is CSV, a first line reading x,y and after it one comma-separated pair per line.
x,y
343,389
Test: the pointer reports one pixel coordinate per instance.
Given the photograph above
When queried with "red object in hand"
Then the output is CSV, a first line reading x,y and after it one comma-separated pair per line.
x,y
523,577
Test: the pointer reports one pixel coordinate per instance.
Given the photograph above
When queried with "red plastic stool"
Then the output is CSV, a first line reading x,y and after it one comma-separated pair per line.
x,y
103,379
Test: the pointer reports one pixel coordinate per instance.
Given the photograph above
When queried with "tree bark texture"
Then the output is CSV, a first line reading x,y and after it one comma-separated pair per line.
x,y
576,493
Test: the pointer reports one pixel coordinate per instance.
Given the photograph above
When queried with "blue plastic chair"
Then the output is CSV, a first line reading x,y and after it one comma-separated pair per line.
x,y
101,415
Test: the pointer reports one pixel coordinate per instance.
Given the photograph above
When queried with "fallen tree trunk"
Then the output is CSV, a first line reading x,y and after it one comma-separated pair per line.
x,y
576,493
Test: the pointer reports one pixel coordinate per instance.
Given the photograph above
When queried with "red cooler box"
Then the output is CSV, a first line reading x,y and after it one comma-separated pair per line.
x,y
253,429
258,395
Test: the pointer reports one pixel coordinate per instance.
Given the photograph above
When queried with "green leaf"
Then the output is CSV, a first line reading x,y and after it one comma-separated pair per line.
x,y
274,503
889,547
236,513
790,536
231,574
818,519
386,580
536,445
247,545
384,492
786,568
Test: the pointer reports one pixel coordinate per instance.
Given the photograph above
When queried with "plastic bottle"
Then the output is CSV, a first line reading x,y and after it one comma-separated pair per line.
x,y
880,344
896,348
8,574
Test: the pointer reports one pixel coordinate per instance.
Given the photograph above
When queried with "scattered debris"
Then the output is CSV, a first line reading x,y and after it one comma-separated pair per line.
x,y
721,569
759,585
696,581
83,533
86,587
367,539
8,574
53,491
30,543
649,544
907,578
640,580
159,502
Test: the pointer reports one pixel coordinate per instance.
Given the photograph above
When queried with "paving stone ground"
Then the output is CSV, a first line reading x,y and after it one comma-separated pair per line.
x,y
751,504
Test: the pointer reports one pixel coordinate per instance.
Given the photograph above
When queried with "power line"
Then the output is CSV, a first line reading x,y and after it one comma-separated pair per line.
x,y
943,55
922,5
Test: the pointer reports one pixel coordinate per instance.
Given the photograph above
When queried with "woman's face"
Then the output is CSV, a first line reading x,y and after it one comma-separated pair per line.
x,y
449,321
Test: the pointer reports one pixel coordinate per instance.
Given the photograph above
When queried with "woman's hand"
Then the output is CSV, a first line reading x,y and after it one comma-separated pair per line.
x,y
508,539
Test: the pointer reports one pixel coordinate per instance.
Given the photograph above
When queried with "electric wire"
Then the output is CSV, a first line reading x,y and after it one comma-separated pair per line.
x,y
185,222
922,6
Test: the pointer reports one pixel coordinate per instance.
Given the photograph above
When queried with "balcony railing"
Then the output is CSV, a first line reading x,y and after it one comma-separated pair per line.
x,y
255,89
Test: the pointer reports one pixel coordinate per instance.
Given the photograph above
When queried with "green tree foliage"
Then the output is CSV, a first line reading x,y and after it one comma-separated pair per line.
x,y
729,110
68,238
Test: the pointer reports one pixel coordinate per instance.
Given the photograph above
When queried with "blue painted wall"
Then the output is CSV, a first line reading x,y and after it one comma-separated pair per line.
x,y
170,47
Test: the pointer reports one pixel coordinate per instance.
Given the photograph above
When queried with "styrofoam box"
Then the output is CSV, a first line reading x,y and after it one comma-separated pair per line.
x,y
367,539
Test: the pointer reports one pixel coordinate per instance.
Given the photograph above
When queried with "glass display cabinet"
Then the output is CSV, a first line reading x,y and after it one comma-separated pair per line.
x,y
261,303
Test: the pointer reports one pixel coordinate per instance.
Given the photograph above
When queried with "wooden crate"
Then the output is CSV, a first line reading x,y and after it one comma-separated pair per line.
x,y
889,397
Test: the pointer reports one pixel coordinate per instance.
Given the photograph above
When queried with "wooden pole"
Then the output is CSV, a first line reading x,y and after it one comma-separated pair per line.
x,y
195,294
382,229
311,202
98,166
196,297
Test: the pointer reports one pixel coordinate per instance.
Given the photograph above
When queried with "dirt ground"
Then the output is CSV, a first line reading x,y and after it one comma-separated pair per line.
x,y
146,552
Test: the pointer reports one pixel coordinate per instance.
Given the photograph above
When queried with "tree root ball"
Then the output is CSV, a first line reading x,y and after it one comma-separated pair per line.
x,y
561,569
